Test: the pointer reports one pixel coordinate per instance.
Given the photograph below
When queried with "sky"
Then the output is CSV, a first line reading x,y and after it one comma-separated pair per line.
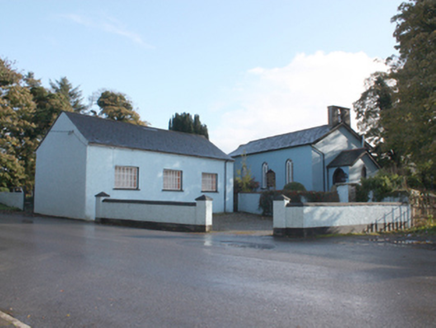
x,y
250,68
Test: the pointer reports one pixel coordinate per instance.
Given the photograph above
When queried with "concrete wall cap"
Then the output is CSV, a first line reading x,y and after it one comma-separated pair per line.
x,y
204,197
281,197
102,194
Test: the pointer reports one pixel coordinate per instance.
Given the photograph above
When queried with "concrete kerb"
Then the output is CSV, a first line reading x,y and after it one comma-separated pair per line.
x,y
7,320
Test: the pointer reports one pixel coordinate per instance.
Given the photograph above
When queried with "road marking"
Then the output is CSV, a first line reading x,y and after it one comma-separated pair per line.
x,y
13,321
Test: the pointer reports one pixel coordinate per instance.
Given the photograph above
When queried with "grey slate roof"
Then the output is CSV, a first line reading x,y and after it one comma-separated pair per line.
x,y
111,133
288,140
348,157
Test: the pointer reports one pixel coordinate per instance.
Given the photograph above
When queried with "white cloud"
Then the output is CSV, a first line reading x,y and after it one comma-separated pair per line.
x,y
110,25
285,99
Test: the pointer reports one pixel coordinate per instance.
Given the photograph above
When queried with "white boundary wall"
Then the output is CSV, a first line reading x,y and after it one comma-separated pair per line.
x,y
12,199
314,218
249,203
165,215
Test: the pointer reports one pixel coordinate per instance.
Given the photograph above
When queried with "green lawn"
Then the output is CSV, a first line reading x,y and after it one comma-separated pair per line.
x,y
7,208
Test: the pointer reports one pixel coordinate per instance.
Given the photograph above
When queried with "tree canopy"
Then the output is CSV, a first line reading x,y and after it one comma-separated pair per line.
x,y
48,105
185,123
17,143
116,106
28,110
74,97
398,108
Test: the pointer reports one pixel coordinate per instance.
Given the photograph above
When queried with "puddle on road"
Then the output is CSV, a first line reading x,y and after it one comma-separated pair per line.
x,y
247,245
407,242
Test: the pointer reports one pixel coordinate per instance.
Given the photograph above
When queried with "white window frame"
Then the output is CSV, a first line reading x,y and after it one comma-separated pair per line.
x,y
126,177
209,182
172,180
264,172
289,171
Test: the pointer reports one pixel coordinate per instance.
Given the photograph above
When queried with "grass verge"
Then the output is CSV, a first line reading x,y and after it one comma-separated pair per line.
x,y
7,208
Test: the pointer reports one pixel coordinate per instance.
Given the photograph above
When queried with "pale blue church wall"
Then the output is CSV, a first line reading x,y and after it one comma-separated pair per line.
x,y
332,145
355,173
276,160
337,141
318,171
310,162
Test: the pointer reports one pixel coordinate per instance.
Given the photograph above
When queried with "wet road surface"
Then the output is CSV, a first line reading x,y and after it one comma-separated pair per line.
x,y
64,273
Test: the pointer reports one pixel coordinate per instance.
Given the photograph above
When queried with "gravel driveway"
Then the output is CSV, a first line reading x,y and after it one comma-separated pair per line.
x,y
243,223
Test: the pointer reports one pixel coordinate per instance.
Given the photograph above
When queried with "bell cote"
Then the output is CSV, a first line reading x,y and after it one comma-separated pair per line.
x,y
338,115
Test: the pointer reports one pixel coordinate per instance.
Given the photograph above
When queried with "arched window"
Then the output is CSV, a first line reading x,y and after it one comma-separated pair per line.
x,y
264,171
363,173
289,171
339,176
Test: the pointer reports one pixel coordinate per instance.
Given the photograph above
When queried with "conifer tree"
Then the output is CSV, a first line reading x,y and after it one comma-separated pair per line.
x,y
185,123
74,97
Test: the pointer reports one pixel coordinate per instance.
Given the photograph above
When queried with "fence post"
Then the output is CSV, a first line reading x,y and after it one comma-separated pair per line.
x,y
203,212
98,205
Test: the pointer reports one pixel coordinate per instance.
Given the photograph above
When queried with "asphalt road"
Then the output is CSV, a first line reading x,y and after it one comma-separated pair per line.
x,y
64,273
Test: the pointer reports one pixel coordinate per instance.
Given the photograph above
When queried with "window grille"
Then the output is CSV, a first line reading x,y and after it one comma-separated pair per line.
x,y
208,182
172,180
126,177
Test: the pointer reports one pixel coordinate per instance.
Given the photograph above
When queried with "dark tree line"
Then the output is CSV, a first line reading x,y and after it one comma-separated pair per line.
x,y
185,123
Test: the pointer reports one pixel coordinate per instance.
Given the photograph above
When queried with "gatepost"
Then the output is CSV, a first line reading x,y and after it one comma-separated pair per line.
x,y
203,212
279,212
99,206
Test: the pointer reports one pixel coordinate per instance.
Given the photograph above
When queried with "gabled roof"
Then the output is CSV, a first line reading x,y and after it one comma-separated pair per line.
x,y
118,134
350,157
288,140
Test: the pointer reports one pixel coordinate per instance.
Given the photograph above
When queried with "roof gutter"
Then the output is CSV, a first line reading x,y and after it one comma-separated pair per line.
x,y
225,186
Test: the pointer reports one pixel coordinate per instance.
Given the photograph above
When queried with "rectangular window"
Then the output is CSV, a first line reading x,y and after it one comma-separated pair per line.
x,y
126,177
208,182
172,180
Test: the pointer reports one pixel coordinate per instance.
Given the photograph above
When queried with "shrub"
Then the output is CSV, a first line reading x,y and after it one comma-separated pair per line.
x,y
296,186
245,185
382,185
267,197
244,182
266,201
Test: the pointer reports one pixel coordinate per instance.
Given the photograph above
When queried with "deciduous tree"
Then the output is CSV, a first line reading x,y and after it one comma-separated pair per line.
x,y
17,143
412,121
116,106
402,115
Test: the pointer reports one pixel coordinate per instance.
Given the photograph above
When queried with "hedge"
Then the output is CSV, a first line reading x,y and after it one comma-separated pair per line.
x,y
267,197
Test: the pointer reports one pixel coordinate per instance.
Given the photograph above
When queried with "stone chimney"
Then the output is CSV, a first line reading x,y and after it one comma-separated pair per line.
x,y
338,115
